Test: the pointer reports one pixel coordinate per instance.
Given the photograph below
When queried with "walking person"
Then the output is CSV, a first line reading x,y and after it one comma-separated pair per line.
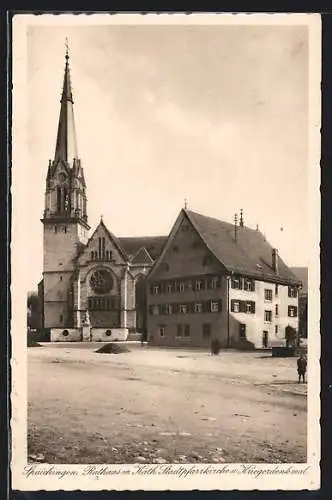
x,y
301,368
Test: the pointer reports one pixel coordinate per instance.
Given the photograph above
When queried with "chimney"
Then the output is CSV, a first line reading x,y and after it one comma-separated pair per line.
x,y
257,227
241,218
235,227
275,261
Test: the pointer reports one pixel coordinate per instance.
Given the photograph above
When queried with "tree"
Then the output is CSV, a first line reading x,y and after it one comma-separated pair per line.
x,y
33,310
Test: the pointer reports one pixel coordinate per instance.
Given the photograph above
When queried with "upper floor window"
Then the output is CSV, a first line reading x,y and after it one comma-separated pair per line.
x,y
181,287
292,291
198,285
268,316
250,307
214,283
236,283
214,306
156,289
198,308
155,310
292,311
162,330
183,308
168,309
249,285
268,294
235,306
169,288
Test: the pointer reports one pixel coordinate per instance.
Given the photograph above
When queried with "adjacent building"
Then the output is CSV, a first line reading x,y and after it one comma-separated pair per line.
x,y
219,280
302,274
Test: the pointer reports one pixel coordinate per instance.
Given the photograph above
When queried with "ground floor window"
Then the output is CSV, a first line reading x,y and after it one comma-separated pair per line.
x,y
178,331
268,316
206,330
162,330
242,331
292,311
187,330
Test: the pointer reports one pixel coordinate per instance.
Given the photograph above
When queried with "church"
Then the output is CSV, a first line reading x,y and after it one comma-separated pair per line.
x,y
93,286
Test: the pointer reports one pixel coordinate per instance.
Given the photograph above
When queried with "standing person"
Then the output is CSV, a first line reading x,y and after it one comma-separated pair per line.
x,y
301,367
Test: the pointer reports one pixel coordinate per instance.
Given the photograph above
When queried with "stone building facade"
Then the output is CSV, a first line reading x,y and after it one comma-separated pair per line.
x,y
217,280
93,286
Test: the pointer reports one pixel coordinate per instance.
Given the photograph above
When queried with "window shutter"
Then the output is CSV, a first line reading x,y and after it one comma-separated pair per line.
x,y
289,295
253,287
232,305
240,285
253,305
242,306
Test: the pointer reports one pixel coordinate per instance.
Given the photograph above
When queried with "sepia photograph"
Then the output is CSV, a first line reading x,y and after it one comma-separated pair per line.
x,y
165,262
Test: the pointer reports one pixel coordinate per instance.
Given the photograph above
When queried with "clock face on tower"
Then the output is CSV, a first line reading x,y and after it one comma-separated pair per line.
x,y
101,281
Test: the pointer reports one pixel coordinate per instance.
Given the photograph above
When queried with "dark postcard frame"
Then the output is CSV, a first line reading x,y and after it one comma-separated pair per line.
x,y
7,12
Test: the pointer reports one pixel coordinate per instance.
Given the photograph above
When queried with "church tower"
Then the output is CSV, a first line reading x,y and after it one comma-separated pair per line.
x,y
65,218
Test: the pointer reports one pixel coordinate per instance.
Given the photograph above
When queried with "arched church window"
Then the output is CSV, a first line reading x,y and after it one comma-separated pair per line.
x,y
58,199
66,200
101,281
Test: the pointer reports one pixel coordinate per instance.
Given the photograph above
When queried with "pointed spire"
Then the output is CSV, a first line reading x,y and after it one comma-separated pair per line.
x,y
66,148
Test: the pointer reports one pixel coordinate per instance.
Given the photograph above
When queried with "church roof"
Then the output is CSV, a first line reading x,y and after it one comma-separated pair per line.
x,y
250,254
153,244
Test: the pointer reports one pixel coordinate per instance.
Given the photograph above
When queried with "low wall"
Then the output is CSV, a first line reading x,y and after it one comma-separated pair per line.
x,y
108,334
65,335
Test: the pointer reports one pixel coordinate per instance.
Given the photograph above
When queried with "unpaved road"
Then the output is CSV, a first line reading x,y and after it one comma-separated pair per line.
x,y
156,406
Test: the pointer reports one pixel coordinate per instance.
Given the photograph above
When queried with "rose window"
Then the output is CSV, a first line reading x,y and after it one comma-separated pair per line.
x,y
101,281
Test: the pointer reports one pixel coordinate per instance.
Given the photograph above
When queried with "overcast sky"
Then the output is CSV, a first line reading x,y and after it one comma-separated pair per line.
x,y
214,114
